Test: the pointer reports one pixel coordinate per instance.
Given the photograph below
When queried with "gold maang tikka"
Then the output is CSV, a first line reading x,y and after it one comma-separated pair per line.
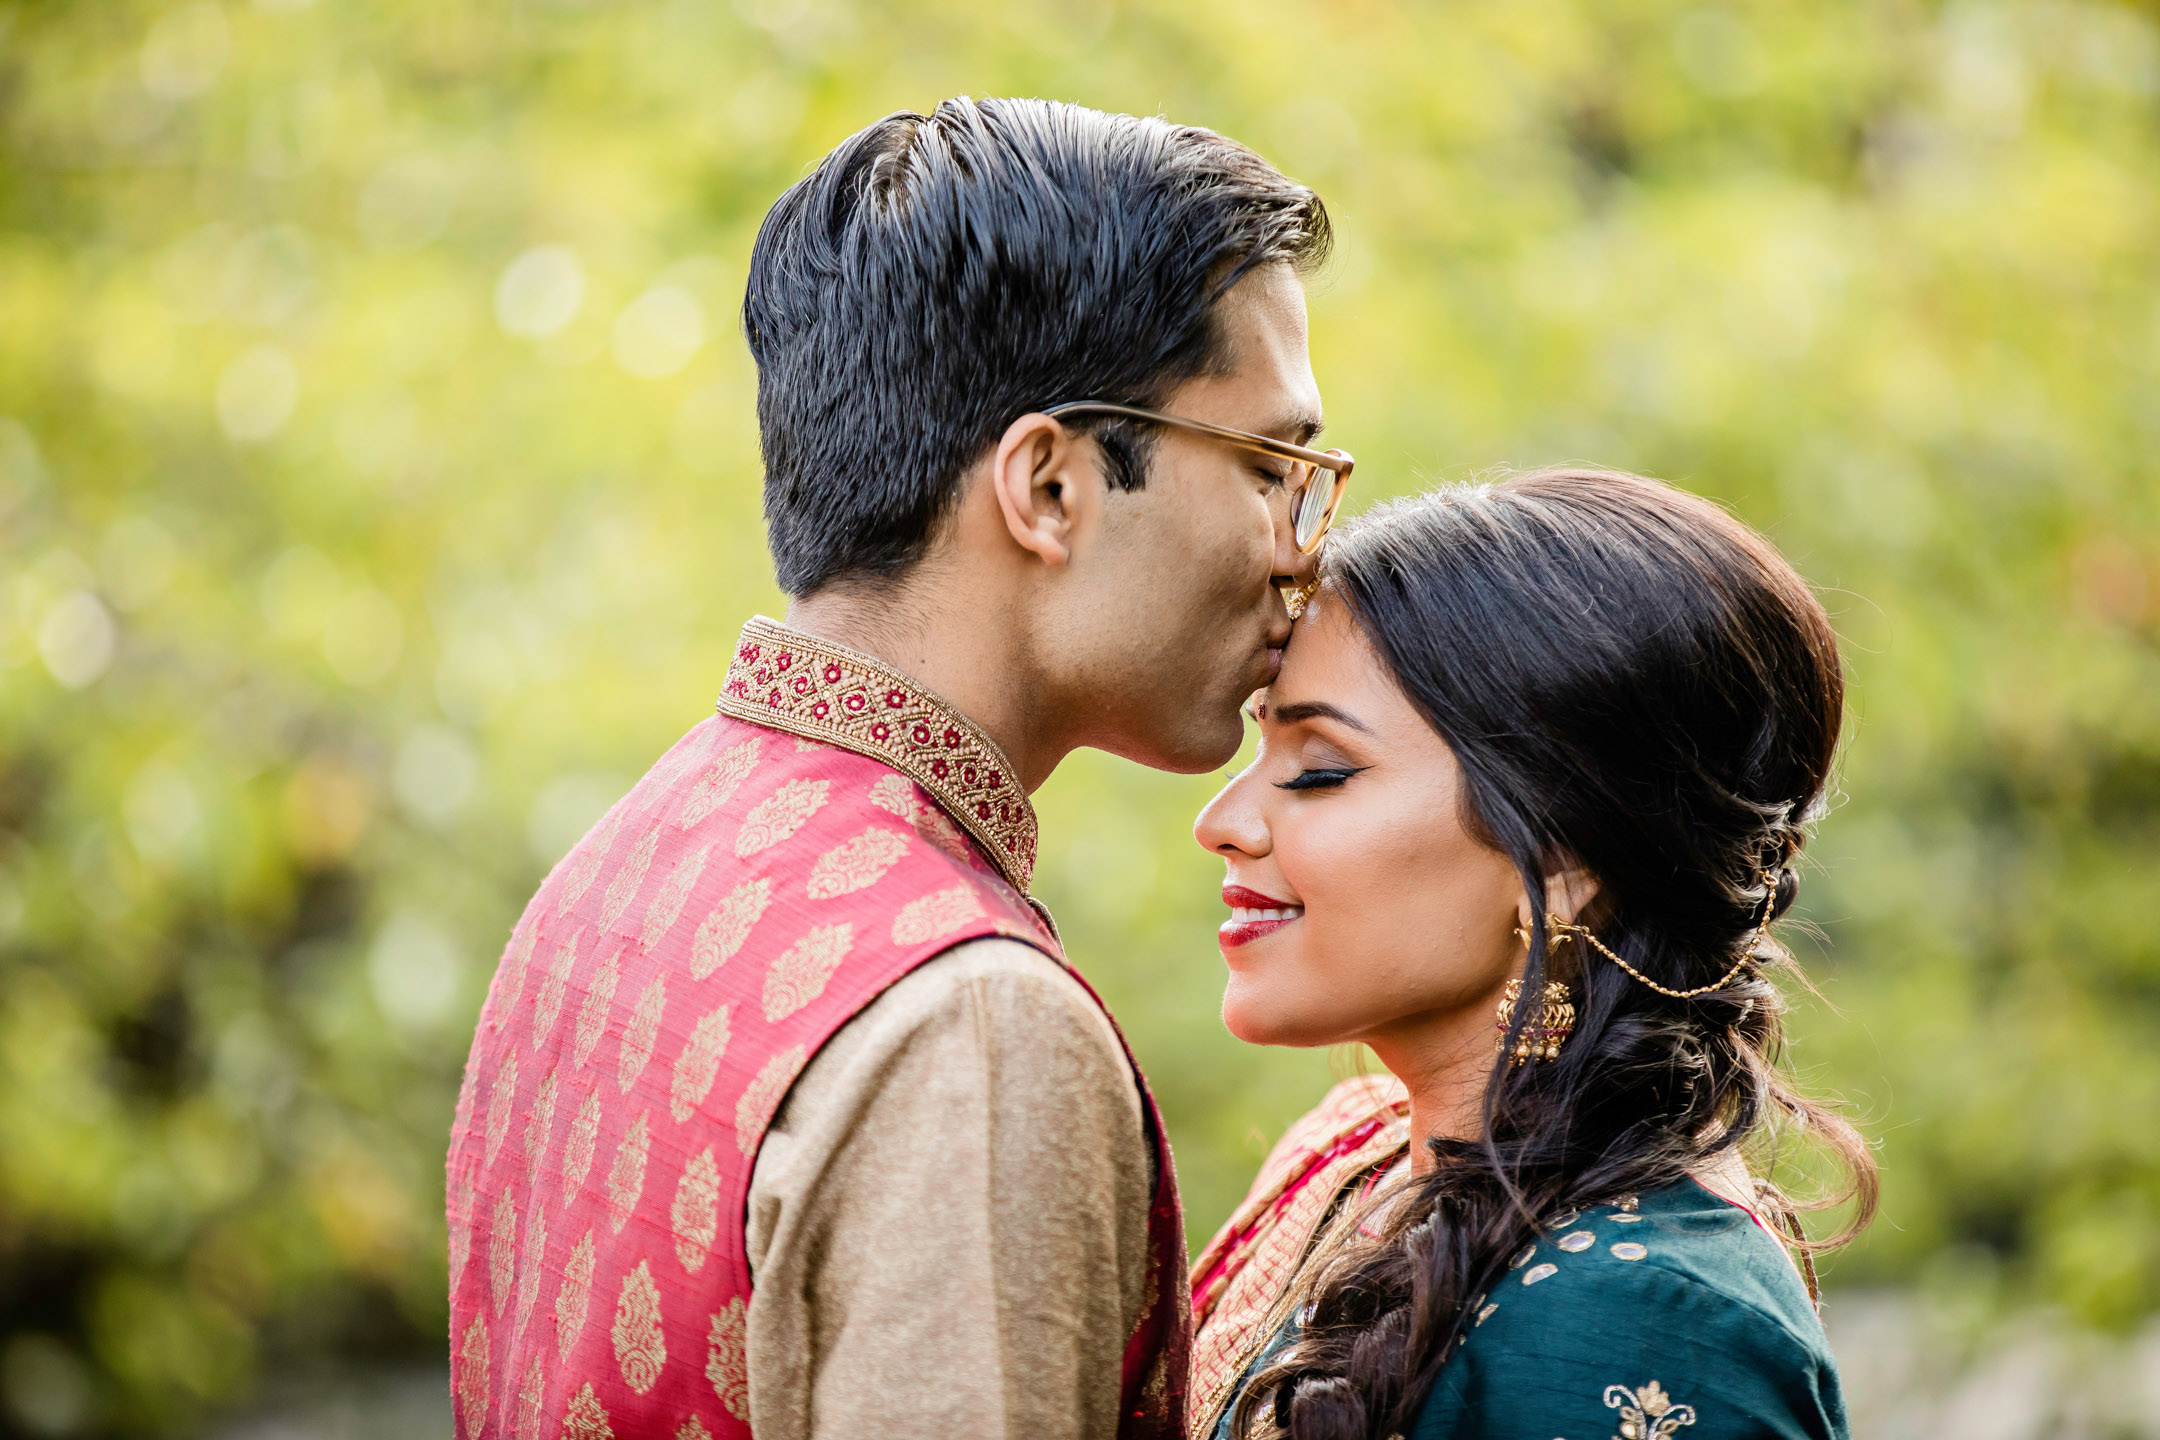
x,y
1296,600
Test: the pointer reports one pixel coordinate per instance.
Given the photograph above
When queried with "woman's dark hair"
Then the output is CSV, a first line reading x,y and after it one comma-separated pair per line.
x,y
1635,683
938,276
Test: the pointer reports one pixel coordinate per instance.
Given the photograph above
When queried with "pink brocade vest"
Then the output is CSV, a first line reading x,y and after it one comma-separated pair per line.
x,y
834,827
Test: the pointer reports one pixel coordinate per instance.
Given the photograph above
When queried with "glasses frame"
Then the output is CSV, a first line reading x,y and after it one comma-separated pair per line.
x,y
1337,463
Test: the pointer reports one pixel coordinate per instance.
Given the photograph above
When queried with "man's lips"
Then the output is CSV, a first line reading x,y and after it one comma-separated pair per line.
x,y
1253,915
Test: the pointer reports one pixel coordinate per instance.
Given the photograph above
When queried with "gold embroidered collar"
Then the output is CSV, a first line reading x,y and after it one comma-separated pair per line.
x,y
823,690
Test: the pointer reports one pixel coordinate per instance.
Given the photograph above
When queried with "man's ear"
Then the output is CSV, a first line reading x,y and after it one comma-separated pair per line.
x,y
1045,486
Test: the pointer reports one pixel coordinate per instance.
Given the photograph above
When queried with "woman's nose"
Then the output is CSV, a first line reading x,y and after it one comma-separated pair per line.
x,y
1231,823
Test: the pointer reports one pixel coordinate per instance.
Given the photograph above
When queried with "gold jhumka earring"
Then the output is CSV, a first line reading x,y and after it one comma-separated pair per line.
x,y
1543,1033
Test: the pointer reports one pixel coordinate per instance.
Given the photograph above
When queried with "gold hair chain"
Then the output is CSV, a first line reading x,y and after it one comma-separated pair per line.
x,y
1566,928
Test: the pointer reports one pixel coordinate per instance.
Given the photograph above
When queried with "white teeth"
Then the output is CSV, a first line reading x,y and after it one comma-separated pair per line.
x,y
1247,917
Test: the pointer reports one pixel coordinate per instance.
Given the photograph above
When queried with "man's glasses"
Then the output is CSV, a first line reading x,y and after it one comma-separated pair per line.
x,y
1316,481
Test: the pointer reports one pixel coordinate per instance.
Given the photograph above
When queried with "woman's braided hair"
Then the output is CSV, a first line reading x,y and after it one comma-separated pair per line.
x,y
1636,683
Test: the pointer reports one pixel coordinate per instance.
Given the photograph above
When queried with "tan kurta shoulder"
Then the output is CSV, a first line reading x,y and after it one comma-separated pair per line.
x,y
948,1220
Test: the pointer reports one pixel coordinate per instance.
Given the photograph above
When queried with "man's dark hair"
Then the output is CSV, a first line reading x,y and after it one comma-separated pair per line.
x,y
938,276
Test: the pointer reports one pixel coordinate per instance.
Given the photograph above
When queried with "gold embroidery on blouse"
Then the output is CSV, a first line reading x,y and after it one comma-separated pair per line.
x,y
825,691
1648,1413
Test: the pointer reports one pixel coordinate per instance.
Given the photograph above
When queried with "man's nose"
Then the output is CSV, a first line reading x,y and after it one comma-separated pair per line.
x,y
1293,569
1298,571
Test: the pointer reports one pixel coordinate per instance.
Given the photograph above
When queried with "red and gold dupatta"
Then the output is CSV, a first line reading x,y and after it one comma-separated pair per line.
x,y
1243,1272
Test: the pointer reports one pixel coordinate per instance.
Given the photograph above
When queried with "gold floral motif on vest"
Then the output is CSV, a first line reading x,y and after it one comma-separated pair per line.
x,y
821,690
1648,1413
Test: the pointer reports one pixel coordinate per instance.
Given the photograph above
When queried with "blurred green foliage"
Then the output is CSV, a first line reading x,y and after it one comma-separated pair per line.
x,y
378,497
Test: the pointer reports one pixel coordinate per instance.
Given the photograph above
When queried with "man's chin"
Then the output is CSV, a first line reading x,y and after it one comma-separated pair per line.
x,y
1210,747
1201,739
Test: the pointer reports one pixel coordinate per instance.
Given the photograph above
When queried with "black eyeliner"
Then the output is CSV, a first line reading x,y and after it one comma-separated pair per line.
x,y
1320,779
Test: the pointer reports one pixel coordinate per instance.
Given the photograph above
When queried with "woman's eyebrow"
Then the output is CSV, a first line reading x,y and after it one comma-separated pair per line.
x,y
1316,710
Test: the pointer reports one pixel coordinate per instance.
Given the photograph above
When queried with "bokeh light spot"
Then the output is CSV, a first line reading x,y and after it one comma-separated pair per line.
x,y
363,635
77,639
407,203
46,1385
1718,53
268,277
416,972
162,814
327,806
257,393
22,472
566,808
137,561
436,774
185,51
540,292
297,592
660,332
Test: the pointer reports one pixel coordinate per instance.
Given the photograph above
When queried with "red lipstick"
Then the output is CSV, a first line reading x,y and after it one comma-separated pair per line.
x,y
1253,915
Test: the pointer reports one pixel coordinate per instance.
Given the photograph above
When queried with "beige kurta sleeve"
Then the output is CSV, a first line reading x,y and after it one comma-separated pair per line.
x,y
948,1218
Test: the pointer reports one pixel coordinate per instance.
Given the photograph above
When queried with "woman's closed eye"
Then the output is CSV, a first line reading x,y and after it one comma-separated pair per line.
x,y
1319,779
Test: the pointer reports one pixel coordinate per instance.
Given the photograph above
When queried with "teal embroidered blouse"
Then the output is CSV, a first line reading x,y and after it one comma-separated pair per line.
x,y
1678,1319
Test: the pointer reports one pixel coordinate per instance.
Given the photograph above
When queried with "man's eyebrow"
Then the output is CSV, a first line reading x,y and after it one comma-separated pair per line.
x,y
1300,427
1316,710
